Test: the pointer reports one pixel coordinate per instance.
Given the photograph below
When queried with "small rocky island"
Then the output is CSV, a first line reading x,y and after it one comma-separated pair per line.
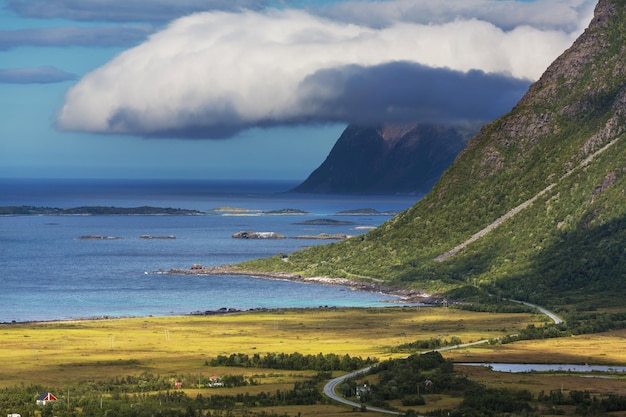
x,y
95,211
103,237
239,211
244,234
326,222
324,236
98,237
286,211
367,212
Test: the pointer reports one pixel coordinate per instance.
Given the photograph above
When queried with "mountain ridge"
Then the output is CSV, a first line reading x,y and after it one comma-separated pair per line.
x,y
387,159
555,161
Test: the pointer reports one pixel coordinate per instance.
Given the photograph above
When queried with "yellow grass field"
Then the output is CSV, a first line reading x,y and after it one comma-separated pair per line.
x,y
54,352
607,348
60,354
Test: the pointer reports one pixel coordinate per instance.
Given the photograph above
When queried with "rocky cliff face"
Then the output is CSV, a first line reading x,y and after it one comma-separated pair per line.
x,y
580,84
386,159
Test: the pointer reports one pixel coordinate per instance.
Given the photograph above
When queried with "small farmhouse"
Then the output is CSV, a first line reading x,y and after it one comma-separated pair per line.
x,y
45,398
215,382
362,391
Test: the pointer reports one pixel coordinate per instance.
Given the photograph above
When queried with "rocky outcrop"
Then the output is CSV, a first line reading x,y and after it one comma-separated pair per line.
x,y
324,236
325,222
245,234
387,159
98,237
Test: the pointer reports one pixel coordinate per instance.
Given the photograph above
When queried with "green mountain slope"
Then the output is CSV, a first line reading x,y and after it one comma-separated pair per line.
x,y
535,205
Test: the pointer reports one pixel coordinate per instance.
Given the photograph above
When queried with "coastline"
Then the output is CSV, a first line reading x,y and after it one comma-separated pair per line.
x,y
400,296
403,295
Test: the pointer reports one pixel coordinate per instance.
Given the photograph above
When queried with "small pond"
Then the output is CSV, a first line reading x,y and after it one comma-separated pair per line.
x,y
532,367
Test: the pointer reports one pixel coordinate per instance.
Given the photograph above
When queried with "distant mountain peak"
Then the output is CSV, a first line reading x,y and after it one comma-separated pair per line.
x,y
386,159
393,133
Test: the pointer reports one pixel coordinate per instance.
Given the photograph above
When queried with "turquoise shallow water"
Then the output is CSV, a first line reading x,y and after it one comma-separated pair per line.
x,y
48,274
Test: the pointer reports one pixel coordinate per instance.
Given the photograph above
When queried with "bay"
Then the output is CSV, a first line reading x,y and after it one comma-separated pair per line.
x,y
49,274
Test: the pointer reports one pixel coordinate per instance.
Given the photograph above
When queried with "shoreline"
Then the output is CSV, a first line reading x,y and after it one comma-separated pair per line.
x,y
403,295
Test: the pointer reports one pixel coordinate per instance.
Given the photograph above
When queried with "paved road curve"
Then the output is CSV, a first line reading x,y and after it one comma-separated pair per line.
x,y
556,319
329,388
329,391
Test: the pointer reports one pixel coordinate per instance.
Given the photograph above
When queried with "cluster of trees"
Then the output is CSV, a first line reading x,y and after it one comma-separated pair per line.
x,y
585,403
410,379
147,381
303,393
428,344
532,332
480,401
487,304
294,361
592,322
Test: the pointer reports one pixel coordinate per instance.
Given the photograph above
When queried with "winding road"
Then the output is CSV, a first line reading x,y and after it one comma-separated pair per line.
x,y
556,319
329,388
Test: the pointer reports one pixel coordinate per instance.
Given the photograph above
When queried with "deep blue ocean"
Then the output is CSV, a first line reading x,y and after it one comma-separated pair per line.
x,y
48,274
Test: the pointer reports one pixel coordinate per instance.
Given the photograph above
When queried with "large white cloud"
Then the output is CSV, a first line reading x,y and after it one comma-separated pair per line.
x,y
215,73
563,15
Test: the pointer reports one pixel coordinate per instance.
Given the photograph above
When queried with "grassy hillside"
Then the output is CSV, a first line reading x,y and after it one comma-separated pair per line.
x,y
562,152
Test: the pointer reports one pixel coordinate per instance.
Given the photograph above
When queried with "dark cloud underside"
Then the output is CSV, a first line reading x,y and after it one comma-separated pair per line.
x,y
408,92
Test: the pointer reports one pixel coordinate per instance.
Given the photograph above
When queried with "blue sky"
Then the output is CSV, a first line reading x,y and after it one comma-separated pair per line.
x,y
252,88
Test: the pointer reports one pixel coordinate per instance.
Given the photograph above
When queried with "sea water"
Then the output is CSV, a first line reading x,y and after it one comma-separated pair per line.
x,y
48,273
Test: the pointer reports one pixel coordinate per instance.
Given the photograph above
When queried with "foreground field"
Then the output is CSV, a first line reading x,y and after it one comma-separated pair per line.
x,y
58,352
62,355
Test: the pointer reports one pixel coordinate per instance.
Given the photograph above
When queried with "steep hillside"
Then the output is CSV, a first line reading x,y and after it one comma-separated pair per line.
x,y
534,207
387,160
